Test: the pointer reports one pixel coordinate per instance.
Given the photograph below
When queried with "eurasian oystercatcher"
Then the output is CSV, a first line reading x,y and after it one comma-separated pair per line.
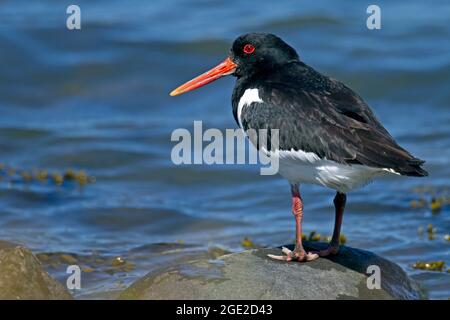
x,y
327,134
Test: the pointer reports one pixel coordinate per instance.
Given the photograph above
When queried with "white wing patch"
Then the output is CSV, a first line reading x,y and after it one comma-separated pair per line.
x,y
249,96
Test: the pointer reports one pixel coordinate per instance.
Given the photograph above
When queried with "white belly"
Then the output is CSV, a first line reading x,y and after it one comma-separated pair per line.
x,y
307,167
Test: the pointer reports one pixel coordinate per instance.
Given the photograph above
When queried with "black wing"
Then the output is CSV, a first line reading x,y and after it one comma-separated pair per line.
x,y
331,121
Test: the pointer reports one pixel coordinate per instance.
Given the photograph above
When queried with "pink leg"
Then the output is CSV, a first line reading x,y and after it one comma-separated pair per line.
x,y
299,253
339,205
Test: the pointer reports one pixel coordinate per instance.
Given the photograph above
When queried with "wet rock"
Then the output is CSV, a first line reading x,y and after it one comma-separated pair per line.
x,y
252,275
22,276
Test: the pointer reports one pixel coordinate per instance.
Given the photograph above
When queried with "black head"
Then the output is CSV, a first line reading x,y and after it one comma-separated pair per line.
x,y
257,53
251,54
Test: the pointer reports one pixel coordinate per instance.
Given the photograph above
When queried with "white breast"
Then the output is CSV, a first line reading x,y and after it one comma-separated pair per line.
x,y
249,96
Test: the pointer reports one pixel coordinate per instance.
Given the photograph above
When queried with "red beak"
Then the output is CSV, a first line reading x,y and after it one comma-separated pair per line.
x,y
225,68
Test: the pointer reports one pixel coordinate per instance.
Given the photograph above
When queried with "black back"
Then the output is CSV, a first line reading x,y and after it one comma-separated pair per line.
x,y
313,112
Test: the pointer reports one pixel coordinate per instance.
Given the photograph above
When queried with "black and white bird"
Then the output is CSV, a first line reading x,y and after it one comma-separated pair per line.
x,y
327,134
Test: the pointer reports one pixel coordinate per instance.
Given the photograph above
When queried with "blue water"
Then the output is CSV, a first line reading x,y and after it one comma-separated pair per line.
x,y
97,100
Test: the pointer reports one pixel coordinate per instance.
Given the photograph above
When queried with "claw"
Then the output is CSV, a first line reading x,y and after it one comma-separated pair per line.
x,y
310,256
287,252
279,258
290,255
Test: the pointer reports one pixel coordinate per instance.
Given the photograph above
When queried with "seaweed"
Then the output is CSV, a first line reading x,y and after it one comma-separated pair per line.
x,y
88,263
431,231
44,176
247,243
438,198
314,236
430,266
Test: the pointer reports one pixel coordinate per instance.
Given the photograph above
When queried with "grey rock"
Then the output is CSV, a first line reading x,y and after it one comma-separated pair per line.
x,y
252,275
22,276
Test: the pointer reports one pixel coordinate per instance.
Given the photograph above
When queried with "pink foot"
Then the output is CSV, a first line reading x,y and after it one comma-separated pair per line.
x,y
297,255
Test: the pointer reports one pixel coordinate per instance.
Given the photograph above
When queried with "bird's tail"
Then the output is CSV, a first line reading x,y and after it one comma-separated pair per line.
x,y
413,168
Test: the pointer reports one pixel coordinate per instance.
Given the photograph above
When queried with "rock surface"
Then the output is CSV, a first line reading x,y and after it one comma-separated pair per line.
x,y
252,275
22,276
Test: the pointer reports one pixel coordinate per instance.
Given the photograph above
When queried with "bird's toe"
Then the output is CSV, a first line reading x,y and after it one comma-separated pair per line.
x,y
296,255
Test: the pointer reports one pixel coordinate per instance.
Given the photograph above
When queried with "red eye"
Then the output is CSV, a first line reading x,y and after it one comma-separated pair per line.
x,y
248,49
